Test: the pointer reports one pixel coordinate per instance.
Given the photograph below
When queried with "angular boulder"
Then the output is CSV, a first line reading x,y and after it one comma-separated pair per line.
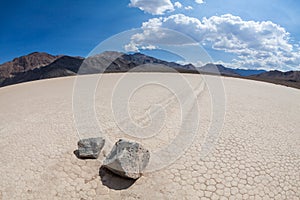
x,y
127,159
90,147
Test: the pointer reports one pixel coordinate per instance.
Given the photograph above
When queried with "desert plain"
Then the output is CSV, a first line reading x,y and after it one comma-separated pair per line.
x,y
256,154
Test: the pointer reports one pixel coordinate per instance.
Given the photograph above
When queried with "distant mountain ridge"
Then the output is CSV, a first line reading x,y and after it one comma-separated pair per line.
x,y
68,66
290,78
249,72
138,59
36,66
220,69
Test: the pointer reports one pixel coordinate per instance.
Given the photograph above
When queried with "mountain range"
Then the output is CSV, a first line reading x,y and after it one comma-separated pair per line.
x,y
220,69
36,66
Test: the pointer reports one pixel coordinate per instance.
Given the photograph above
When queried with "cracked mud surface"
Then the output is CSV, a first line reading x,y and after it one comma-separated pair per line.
x,y
256,155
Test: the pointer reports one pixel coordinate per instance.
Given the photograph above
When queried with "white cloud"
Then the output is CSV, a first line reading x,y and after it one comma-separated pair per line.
x,y
148,47
154,7
177,4
255,44
188,8
199,1
131,47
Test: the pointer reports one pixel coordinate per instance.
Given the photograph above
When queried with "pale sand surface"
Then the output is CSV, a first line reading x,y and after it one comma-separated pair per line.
x,y
257,155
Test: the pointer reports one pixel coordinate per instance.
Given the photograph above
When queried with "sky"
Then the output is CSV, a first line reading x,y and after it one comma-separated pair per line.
x,y
252,34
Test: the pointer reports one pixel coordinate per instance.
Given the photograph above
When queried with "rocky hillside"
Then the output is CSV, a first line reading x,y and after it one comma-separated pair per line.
x,y
26,63
63,66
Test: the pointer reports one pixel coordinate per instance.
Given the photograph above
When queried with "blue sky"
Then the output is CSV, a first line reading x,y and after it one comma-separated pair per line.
x,y
237,33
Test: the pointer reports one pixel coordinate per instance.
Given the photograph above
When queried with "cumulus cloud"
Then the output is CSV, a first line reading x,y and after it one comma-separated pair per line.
x,y
177,4
199,1
131,47
154,7
256,44
188,8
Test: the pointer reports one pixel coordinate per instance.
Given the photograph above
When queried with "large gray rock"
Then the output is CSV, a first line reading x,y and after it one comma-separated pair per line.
x,y
127,159
90,147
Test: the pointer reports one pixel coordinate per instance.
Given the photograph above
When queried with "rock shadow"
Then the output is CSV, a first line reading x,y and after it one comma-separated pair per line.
x,y
113,181
76,153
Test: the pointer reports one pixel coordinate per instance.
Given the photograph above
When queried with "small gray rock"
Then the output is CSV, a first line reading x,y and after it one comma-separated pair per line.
x,y
90,147
127,159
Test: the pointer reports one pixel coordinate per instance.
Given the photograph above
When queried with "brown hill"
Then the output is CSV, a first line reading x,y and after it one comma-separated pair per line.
x,y
25,63
63,66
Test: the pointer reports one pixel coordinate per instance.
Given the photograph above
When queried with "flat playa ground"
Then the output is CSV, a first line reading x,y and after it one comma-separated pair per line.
x,y
256,155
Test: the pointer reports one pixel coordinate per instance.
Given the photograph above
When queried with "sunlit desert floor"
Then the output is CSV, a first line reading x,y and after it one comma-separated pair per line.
x,y
256,154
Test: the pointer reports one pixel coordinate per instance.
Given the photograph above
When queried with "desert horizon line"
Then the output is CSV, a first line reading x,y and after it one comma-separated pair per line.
x,y
163,59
